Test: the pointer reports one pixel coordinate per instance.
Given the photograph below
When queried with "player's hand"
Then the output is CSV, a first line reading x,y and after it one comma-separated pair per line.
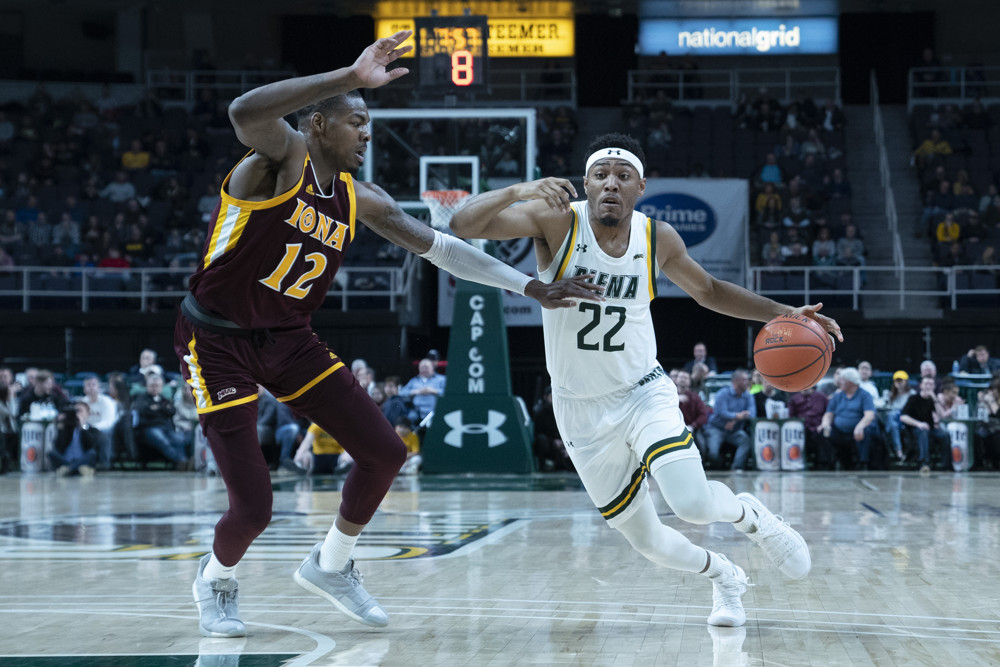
x,y
370,65
828,323
557,192
564,293
304,459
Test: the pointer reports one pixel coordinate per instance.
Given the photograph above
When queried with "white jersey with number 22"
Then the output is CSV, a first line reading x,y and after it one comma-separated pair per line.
x,y
593,348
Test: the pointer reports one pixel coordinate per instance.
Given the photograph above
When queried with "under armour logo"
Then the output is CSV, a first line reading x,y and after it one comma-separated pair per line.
x,y
581,247
613,151
639,255
494,436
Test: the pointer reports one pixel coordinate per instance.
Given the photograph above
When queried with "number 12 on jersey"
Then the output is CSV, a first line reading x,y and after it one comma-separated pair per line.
x,y
616,314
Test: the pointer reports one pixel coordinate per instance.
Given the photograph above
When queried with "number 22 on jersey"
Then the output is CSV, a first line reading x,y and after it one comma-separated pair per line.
x,y
605,343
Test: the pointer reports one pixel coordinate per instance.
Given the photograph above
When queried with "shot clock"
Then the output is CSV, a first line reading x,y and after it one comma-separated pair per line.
x,y
451,52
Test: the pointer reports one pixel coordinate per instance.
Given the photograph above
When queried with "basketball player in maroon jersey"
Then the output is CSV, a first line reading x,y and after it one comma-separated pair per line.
x,y
286,217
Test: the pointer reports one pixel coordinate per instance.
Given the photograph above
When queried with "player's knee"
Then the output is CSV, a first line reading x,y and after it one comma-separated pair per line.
x,y
692,509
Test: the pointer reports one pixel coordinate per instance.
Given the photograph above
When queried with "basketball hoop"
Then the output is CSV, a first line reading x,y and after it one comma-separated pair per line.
x,y
442,204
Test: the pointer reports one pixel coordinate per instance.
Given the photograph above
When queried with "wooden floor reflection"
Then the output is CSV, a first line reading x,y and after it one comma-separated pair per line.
x,y
501,571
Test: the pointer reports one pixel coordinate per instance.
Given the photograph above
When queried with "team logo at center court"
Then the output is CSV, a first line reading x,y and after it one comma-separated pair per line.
x,y
459,429
188,536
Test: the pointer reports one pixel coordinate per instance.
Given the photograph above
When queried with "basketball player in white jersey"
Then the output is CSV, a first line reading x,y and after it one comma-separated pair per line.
x,y
616,408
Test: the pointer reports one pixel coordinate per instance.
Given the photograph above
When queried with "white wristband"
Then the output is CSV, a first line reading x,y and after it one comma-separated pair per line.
x,y
463,261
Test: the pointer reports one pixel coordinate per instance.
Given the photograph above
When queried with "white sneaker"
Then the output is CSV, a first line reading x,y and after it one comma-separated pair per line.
x,y
727,593
783,545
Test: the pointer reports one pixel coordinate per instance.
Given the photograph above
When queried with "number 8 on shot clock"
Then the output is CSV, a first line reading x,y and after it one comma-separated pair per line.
x,y
452,52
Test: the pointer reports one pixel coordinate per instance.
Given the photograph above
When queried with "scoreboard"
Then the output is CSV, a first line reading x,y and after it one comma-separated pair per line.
x,y
452,52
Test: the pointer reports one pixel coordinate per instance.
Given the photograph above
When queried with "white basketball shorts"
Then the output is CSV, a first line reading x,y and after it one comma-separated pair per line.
x,y
615,440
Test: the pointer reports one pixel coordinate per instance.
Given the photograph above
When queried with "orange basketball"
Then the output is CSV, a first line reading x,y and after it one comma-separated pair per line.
x,y
793,352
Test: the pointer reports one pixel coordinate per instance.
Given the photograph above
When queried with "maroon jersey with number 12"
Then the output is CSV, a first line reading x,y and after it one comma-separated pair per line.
x,y
269,264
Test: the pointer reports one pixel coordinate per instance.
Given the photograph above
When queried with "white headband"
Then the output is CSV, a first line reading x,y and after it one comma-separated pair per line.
x,y
614,153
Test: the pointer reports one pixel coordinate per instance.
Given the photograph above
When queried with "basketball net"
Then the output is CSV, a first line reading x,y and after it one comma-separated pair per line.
x,y
442,204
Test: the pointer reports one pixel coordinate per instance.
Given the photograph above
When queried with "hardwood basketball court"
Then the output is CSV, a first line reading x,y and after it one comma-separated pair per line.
x,y
493,570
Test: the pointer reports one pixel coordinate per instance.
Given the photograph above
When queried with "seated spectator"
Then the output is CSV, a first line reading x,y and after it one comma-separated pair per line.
x,y
922,414
847,425
700,352
949,400
988,453
978,361
796,215
423,391
809,406
699,374
837,185
155,424
767,398
796,254
119,190
813,146
695,411
76,444
771,216
933,147
965,199
954,255
850,249
934,181
899,394
832,117
770,172
865,372
548,446
987,198
276,425
319,453
823,242
393,407
973,230
771,254
404,429
136,157
47,397
768,194
102,415
937,203
147,358
731,414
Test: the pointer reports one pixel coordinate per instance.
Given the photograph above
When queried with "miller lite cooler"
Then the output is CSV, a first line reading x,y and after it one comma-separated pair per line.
x,y
961,455
33,457
766,445
793,445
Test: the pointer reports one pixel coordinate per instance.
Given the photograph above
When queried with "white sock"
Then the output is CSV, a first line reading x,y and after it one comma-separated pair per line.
x,y
748,523
717,566
216,570
336,550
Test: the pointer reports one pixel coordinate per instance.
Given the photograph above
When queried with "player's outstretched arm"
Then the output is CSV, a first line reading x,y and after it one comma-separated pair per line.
x,y
258,115
722,296
381,214
491,215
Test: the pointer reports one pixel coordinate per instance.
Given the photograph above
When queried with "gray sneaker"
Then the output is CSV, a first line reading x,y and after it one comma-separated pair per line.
x,y
342,588
218,603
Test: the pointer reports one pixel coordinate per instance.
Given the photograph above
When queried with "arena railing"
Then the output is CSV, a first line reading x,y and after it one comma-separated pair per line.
x,y
717,87
891,215
30,288
183,86
952,85
850,282
507,87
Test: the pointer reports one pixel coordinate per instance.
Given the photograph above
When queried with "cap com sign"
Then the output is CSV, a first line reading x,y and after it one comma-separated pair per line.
x,y
745,36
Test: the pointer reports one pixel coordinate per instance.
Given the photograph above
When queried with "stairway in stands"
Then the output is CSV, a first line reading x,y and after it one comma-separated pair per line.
x,y
869,212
